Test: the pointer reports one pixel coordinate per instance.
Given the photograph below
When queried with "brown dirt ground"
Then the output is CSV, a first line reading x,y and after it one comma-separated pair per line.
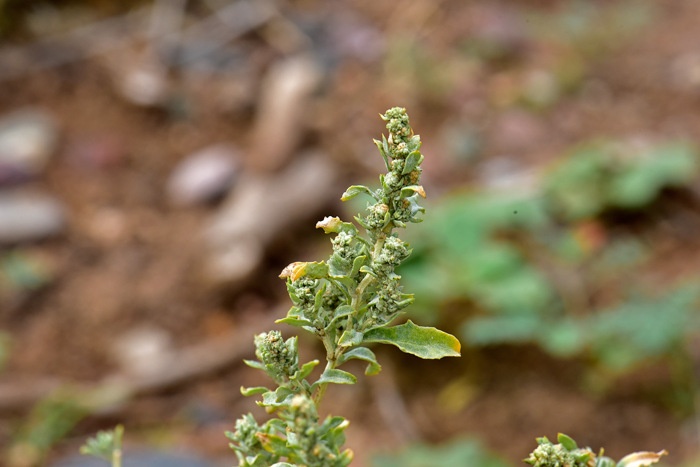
x,y
147,274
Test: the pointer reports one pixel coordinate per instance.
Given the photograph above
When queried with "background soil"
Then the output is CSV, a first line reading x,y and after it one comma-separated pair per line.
x,y
129,259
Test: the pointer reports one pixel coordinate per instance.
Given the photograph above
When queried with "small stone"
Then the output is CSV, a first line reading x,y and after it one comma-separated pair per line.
x,y
203,176
143,351
28,217
282,113
27,140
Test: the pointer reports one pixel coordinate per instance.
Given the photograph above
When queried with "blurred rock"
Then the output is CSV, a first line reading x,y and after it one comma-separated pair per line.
x,y
144,85
29,216
27,140
281,114
203,176
259,208
685,71
143,351
138,459
504,175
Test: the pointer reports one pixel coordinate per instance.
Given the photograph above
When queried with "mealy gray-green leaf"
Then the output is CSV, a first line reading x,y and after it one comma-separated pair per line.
x,y
253,391
424,342
362,353
335,376
350,338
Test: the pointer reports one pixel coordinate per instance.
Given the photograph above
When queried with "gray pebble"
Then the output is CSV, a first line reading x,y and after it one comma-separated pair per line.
x,y
27,140
203,176
29,216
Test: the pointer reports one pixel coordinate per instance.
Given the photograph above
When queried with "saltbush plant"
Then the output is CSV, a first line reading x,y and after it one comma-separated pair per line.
x,y
348,301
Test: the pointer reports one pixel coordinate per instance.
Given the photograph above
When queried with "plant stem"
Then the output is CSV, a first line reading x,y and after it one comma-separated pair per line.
x,y
321,391
332,350
117,458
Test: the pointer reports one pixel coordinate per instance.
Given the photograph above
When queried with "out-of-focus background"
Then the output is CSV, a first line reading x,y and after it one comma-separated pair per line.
x,y
161,161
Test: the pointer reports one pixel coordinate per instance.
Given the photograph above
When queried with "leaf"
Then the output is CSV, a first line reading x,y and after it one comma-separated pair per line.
x,y
355,190
254,364
306,369
409,190
335,376
383,149
340,312
641,459
367,270
344,459
566,441
273,443
362,353
318,299
253,391
292,293
338,266
283,464
296,322
424,342
357,264
299,269
350,338
335,225
278,398
412,161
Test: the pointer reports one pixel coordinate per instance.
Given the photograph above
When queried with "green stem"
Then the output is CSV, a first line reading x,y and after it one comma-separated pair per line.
x,y
321,390
117,458
332,350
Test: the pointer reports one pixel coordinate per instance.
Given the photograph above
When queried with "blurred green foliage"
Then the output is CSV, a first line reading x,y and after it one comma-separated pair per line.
x,y
459,453
523,265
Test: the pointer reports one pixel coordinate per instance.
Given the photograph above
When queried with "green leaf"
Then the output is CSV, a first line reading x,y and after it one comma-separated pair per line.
x,y
340,312
292,293
338,266
274,444
424,342
335,376
254,364
357,264
253,391
344,459
367,270
604,461
318,299
350,338
566,441
355,190
306,369
283,464
412,161
362,353
296,322
278,398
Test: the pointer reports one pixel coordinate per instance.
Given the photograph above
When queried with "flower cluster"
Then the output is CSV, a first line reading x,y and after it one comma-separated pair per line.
x,y
564,454
280,358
